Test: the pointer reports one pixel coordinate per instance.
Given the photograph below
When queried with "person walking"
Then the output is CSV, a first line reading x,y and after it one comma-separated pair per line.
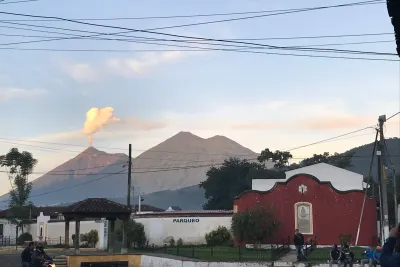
x,y
388,258
298,241
336,255
26,255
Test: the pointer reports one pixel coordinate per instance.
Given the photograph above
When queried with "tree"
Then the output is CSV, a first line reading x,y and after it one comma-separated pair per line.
x,y
134,233
19,165
279,158
90,238
231,179
255,225
339,160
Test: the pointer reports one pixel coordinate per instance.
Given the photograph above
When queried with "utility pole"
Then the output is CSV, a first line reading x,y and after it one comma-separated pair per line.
x,y
382,180
396,208
128,200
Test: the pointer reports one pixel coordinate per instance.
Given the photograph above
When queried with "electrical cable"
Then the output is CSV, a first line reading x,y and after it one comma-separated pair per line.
x,y
16,2
185,16
178,36
332,138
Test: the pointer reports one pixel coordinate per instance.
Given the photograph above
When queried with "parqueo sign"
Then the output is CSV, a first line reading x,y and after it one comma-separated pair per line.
x,y
186,220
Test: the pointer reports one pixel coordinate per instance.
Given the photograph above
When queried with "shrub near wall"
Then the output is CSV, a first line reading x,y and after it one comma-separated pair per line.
x,y
219,237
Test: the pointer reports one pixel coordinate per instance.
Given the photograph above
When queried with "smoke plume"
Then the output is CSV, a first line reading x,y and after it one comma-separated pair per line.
x,y
96,119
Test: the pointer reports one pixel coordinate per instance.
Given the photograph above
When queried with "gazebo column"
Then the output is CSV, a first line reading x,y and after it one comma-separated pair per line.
x,y
112,236
77,235
66,235
124,248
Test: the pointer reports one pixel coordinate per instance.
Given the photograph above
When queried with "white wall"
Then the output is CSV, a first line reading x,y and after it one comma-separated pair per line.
x,y
8,229
158,229
341,179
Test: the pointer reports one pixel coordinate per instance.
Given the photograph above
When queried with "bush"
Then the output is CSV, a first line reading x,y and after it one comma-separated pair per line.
x,y
23,238
172,242
220,236
90,238
179,243
345,239
255,225
135,233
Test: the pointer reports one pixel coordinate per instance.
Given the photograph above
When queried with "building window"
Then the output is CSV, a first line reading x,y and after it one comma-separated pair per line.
x,y
1,229
303,217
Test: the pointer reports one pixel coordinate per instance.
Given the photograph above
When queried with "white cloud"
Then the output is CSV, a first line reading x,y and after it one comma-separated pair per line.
x,y
143,64
19,93
82,73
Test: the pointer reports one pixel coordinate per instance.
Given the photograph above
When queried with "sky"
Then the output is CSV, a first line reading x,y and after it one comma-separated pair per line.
x,y
259,100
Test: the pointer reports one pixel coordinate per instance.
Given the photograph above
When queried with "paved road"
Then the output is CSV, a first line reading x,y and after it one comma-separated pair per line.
x,y
12,260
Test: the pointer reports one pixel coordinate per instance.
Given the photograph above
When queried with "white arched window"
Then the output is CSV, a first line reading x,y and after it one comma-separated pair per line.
x,y
303,217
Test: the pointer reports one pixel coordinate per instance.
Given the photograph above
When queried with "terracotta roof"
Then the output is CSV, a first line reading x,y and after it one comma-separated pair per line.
x,y
144,207
97,205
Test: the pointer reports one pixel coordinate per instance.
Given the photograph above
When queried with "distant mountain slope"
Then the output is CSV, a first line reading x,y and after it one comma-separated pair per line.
x,y
362,157
179,162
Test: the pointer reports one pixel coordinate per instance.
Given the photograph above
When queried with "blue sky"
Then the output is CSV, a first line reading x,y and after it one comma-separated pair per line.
x,y
257,100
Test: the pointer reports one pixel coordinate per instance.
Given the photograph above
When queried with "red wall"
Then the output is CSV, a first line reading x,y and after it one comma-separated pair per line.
x,y
334,212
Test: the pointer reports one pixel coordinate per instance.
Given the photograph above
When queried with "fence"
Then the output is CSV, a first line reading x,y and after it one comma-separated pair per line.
x,y
222,253
310,245
6,241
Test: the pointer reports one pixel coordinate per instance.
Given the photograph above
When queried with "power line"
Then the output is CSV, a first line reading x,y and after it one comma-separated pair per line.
x,y
182,16
181,36
329,139
15,2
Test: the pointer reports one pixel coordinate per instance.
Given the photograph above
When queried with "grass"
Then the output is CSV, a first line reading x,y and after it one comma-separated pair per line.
x,y
217,253
323,254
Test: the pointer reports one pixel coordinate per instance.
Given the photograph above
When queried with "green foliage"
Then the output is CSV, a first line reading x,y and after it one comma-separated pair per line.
x,y
255,225
220,236
23,238
339,160
18,166
345,239
172,242
231,179
279,158
134,232
90,238
179,243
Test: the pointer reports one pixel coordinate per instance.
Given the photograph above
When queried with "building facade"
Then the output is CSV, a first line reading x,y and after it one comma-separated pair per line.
x,y
316,208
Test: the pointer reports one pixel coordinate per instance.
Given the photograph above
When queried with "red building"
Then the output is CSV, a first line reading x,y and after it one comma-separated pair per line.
x,y
317,209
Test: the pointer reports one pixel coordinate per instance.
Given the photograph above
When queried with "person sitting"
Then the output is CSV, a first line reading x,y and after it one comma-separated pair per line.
x,y
26,255
347,256
39,256
336,254
376,255
367,257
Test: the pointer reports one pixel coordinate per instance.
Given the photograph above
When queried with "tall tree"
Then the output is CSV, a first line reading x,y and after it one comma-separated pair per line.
x,y
231,179
279,158
19,165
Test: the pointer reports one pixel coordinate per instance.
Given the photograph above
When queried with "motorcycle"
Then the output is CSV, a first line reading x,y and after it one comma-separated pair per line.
x,y
48,263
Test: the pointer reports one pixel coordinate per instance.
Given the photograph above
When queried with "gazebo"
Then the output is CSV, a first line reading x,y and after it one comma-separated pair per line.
x,y
95,208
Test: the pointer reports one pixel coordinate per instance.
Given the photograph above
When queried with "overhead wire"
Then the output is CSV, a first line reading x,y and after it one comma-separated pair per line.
x,y
185,16
181,36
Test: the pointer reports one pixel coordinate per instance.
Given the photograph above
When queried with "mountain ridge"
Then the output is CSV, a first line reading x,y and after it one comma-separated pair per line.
x,y
180,161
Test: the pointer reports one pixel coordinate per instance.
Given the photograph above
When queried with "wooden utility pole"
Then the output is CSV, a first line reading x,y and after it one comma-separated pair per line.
x,y
128,200
381,178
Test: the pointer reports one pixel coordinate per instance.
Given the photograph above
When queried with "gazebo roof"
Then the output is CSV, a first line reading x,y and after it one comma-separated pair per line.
x,y
96,208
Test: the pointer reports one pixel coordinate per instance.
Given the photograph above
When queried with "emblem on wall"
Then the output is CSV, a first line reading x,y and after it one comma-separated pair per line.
x,y
302,189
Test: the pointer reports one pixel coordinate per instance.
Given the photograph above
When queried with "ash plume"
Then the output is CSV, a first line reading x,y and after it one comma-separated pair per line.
x,y
97,119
